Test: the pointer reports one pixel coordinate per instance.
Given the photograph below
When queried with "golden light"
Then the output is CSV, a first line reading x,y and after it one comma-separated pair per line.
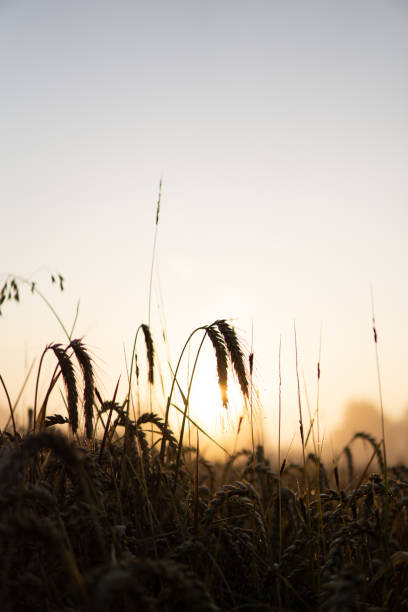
x,y
206,407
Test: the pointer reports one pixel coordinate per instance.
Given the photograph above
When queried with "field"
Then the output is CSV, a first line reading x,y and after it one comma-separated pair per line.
x,y
104,507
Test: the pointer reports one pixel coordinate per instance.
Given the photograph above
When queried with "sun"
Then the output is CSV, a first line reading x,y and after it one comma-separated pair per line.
x,y
206,407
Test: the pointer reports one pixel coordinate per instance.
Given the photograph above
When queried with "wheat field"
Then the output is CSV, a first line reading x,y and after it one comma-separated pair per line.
x,y
102,508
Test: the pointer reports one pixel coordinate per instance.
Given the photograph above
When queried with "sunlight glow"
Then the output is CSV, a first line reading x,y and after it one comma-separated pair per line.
x,y
206,404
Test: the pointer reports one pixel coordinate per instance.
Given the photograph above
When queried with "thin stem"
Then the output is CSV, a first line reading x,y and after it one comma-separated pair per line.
x,y
305,476
74,321
131,370
20,393
152,269
187,402
318,389
54,312
197,426
196,488
36,386
386,498
154,249
44,299
279,451
105,433
251,365
299,399
377,359
54,379
10,405
166,418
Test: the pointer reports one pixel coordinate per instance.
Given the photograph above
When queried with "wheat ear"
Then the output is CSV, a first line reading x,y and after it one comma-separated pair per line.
x,y
85,363
149,350
235,353
218,343
68,375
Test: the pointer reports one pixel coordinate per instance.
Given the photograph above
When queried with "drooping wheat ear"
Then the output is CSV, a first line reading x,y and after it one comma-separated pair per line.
x,y
363,435
85,362
235,352
68,375
55,419
350,464
151,417
220,349
150,351
54,441
323,480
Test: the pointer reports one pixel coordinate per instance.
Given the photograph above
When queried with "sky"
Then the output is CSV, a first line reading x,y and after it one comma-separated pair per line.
x,y
280,132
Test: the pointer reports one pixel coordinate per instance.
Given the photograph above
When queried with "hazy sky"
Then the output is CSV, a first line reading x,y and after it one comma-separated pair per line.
x,y
280,129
